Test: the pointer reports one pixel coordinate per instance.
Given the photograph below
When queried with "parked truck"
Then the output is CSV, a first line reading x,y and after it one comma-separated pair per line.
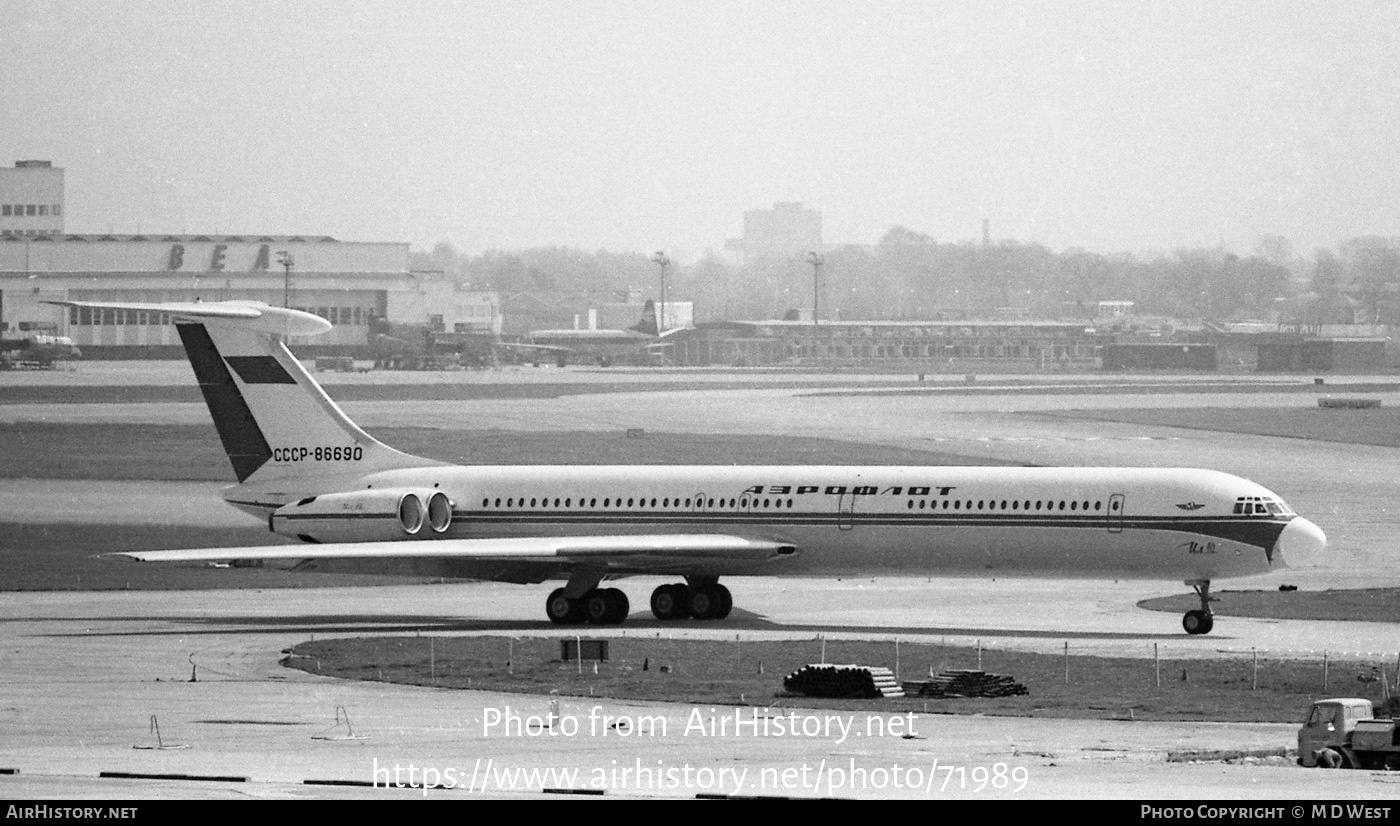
x,y
1344,733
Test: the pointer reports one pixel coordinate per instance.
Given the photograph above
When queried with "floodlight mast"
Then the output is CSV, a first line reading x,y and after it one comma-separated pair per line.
x,y
662,261
286,260
816,261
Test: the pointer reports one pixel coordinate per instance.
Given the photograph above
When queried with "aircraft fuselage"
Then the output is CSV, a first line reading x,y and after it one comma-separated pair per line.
x,y
1191,524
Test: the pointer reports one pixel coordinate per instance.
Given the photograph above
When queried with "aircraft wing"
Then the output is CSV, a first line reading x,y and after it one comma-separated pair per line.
x,y
635,553
549,348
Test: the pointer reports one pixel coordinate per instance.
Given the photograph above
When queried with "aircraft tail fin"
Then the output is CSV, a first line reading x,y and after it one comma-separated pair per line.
x,y
649,325
273,418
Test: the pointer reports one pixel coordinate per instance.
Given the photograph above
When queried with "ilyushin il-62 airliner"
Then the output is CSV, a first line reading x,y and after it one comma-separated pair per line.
x,y
358,504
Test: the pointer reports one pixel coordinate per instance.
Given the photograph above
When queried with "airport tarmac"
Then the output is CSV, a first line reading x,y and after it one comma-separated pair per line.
x,y
82,673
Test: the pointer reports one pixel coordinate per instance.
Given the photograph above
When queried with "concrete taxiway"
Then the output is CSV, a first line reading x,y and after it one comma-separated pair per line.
x,y
83,674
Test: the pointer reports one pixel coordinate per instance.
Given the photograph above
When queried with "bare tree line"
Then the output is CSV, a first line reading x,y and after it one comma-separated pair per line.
x,y
908,275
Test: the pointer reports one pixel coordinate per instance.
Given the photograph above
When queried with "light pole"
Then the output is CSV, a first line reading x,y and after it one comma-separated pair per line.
x,y
664,262
816,261
285,259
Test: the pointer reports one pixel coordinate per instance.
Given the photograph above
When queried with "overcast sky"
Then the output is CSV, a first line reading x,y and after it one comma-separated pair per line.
x,y
654,125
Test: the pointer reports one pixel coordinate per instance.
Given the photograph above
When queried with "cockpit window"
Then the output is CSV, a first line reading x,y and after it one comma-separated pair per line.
x,y
1261,506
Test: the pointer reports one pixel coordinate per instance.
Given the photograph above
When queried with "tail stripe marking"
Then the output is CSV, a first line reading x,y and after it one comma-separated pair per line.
x,y
259,370
243,440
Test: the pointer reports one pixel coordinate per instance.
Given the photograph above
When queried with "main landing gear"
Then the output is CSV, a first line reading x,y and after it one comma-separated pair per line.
x,y
701,598
598,606
1199,622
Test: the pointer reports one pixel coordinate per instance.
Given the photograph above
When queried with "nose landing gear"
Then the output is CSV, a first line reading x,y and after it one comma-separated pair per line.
x,y
1199,622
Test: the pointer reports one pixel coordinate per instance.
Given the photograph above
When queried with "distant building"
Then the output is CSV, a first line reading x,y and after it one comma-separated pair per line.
x,y
1296,353
1101,311
31,199
784,231
347,283
476,311
917,345
1160,356
622,315
1113,309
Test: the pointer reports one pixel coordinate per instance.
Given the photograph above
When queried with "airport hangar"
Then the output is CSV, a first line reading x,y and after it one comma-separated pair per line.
x,y
347,283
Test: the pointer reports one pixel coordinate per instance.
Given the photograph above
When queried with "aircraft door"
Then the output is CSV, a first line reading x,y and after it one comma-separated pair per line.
x,y
845,509
699,506
1115,513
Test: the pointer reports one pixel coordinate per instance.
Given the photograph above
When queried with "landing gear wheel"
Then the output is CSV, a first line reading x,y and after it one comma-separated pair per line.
x,y
670,602
623,606
726,602
707,602
597,607
605,606
1197,622
562,610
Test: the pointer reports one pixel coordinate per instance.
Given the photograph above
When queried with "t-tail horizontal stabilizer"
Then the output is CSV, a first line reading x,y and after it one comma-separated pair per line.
x,y
275,421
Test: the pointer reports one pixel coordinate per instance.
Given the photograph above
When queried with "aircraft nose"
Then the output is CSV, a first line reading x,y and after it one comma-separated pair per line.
x,y
1300,545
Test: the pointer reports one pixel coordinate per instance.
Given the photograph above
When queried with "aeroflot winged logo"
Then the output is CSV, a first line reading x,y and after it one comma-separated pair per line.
x,y
1191,506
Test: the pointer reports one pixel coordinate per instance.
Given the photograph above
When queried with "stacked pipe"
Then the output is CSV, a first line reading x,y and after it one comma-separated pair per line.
x,y
843,681
964,682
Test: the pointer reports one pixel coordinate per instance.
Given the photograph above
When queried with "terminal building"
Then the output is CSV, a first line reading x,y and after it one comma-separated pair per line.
x,y
932,345
350,284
